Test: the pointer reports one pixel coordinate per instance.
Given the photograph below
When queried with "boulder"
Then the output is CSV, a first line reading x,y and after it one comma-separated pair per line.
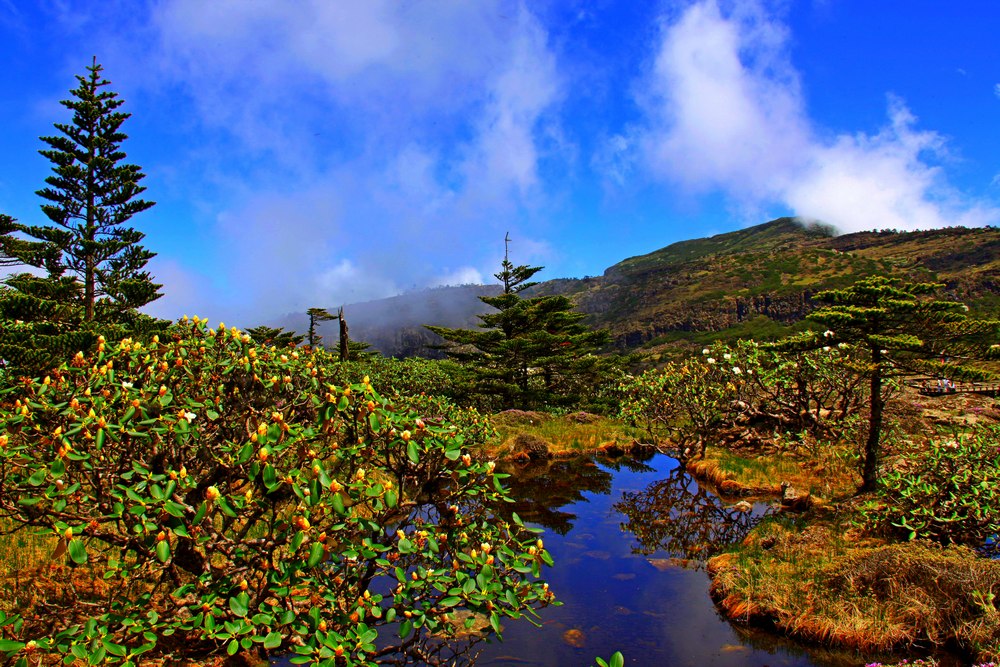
x,y
793,500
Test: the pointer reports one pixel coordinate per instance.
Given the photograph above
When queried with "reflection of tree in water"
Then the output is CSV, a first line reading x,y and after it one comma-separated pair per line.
x,y
679,517
540,488
633,462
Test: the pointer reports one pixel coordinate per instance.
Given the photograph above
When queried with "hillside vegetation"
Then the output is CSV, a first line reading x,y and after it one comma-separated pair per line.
x,y
754,282
757,281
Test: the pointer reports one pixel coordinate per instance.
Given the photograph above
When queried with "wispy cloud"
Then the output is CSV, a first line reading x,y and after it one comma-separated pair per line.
x,y
725,112
417,137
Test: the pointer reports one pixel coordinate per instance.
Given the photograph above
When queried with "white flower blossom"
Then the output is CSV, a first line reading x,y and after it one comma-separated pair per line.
x,y
705,351
826,348
710,360
736,370
126,385
727,356
827,334
190,416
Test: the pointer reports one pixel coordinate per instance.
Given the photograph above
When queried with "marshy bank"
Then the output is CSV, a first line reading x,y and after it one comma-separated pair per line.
x,y
816,576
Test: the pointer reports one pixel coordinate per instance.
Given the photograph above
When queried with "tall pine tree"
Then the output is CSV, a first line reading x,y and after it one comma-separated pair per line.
x,y
89,197
96,278
531,352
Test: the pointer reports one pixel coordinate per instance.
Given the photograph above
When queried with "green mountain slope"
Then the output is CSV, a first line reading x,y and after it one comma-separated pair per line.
x,y
755,282
759,280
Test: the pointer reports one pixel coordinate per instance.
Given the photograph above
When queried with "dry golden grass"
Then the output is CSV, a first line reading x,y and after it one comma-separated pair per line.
x,y
827,474
561,435
821,584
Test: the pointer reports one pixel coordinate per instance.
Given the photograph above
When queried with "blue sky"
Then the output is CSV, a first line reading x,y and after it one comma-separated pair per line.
x,y
318,152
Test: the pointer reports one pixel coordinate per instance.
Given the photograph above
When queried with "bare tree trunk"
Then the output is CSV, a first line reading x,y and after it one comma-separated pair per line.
x,y
344,341
869,476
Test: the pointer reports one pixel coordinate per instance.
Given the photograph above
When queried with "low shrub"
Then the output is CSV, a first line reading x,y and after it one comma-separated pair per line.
x,y
216,496
948,492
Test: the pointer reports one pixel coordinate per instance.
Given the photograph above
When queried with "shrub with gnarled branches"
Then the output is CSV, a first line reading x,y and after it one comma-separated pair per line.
x,y
233,497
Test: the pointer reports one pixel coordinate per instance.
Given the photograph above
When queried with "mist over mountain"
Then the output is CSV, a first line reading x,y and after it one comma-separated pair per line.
x,y
756,282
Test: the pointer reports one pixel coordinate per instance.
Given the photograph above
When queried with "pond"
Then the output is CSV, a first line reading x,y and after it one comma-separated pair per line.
x,y
630,577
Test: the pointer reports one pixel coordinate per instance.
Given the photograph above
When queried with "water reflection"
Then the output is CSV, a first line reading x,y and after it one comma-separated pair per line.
x,y
678,516
542,488
608,527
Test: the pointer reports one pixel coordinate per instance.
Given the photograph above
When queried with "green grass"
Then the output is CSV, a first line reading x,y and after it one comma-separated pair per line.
x,y
564,434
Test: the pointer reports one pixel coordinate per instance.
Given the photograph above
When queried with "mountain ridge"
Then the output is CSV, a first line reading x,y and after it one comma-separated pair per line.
x,y
756,281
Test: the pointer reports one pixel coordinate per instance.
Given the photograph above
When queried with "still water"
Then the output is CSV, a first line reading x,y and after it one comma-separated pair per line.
x,y
629,577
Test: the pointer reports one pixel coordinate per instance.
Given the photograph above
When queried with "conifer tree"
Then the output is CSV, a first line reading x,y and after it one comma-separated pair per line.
x,y
316,316
277,337
902,330
89,197
95,264
530,352
41,324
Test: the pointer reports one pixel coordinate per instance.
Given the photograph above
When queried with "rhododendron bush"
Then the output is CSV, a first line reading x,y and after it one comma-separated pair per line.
x,y
217,496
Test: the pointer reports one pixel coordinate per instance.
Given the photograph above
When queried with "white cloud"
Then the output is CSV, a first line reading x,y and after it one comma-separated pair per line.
x,y
725,112
465,275
505,154
181,289
362,146
347,283
996,89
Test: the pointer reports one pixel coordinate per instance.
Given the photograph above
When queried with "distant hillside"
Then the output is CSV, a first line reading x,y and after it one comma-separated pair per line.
x,y
756,281
395,326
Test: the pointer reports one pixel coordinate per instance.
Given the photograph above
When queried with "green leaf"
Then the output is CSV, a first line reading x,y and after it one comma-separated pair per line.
x,y
38,477
174,509
338,504
617,660
200,514
239,605
391,499
233,646
315,554
270,477
226,507
78,553
412,452
451,601
113,648
163,550
10,646
272,640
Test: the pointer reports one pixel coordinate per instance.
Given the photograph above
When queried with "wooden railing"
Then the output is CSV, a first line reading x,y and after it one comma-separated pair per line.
x,y
936,387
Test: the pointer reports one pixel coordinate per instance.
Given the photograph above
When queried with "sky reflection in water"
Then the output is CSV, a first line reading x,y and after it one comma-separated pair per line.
x,y
624,592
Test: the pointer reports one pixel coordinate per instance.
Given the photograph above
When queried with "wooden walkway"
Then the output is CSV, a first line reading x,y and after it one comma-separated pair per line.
x,y
931,387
